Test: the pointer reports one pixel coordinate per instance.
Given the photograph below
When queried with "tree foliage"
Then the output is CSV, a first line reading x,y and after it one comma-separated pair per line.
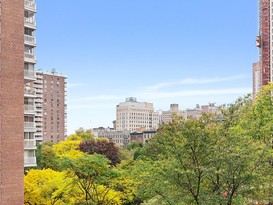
x,y
210,160
103,147
92,176
222,158
47,187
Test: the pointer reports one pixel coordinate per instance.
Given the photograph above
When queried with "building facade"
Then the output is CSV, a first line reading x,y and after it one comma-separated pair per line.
x,y
120,138
142,137
51,107
167,116
11,102
256,78
29,91
263,70
131,115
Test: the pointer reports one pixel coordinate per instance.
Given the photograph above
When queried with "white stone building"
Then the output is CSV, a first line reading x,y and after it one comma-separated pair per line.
x,y
132,115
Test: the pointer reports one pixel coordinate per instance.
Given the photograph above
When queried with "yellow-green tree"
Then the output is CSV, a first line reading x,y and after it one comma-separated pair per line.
x,y
67,148
47,187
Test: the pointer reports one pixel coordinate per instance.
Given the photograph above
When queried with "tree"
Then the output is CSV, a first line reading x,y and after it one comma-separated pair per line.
x,y
103,147
209,160
134,145
46,157
179,156
257,122
47,187
67,148
92,176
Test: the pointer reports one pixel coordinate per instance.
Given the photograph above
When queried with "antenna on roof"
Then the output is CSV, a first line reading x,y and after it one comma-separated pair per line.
x,y
53,71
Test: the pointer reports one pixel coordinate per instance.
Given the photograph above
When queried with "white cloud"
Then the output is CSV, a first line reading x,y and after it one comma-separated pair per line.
x,y
195,81
208,92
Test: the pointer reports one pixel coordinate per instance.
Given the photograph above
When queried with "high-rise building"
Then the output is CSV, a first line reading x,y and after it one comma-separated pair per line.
x,y
263,70
131,115
11,102
51,108
29,76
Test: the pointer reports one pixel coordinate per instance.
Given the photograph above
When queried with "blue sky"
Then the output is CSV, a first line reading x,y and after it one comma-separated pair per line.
x,y
160,51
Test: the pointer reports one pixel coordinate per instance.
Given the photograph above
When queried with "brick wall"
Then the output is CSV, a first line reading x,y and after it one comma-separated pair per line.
x,y
11,102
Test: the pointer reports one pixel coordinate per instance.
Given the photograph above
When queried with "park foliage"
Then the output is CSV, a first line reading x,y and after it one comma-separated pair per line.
x,y
221,158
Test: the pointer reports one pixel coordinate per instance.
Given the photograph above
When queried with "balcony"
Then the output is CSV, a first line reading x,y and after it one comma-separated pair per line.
x,y
30,5
30,57
38,119
39,109
39,138
38,135
39,91
38,86
30,22
39,124
29,127
29,144
30,92
39,81
38,114
30,40
30,161
39,95
39,101
38,105
29,109
29,75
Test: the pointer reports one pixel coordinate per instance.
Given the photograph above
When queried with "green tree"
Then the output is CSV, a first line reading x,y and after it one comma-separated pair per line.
x,y
46,157
93,176
210,160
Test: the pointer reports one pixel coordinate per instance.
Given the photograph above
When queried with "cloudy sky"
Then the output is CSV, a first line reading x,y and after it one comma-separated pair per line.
x,y
159,51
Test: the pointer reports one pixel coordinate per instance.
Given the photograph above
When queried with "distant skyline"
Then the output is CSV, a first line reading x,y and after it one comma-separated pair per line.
x,y
185,52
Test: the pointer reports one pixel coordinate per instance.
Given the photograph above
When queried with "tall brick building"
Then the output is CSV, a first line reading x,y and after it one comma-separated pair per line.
x,y
11,102
50,101
263,70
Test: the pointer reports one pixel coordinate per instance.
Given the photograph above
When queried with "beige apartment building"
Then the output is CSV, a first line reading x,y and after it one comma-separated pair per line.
x,y
132,115
51,107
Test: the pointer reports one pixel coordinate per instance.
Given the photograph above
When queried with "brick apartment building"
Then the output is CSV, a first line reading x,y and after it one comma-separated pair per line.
x,y
262,71
51,108
12,102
